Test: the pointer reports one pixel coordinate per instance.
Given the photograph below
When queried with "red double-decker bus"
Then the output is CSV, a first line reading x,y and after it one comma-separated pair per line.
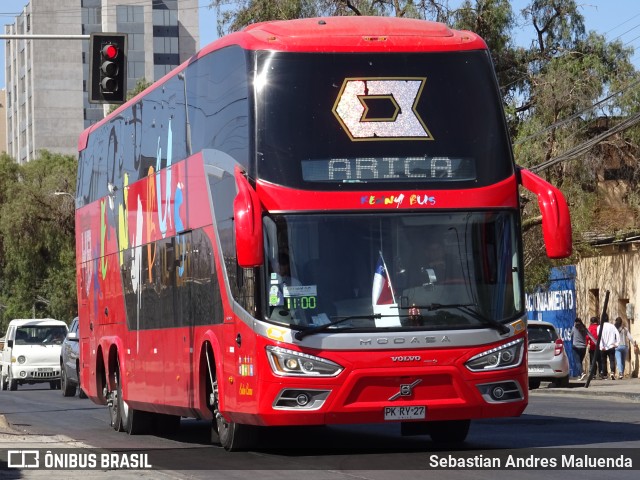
x,y
309,222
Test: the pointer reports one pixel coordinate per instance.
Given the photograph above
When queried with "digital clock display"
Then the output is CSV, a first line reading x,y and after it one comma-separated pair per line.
x,y
305,303
389,169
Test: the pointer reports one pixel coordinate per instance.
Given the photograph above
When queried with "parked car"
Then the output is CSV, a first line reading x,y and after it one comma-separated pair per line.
x,y
70,362
548,359
31,353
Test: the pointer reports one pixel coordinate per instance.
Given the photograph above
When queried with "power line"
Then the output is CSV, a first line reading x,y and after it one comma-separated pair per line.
x,y
588,145
577,114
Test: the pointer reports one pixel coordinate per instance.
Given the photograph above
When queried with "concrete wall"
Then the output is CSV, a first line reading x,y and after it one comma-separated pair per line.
x,y
616,269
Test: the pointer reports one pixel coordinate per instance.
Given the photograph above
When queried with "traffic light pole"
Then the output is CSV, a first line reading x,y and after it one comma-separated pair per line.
x,y
18,36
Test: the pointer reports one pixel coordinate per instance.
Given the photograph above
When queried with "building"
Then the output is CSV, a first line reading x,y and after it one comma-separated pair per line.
x,y
47,102
3,120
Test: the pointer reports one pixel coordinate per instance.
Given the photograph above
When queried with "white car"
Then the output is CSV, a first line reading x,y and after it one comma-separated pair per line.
x,y
548,359
31,353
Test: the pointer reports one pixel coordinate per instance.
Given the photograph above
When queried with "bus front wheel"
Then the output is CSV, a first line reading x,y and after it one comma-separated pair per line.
x,y
232,436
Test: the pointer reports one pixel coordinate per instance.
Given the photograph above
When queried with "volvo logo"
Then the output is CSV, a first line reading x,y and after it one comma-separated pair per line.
x,y
407,358
406,390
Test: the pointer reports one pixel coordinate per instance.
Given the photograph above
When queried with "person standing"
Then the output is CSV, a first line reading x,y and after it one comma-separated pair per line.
x,y
622,350
609,341
592,340
579,345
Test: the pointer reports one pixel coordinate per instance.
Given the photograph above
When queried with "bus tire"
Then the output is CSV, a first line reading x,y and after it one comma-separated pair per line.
x,y
451,431
135,422
115,415
230,435
233,436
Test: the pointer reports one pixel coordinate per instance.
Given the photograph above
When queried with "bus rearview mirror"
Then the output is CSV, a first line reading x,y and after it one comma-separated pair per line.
x,y
247,215
556,222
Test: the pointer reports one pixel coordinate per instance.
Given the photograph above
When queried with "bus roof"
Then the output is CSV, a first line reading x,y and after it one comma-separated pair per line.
x,y
350,34
331,34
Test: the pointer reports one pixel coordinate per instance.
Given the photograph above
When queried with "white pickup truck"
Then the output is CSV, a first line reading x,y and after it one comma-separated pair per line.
x,y
31,353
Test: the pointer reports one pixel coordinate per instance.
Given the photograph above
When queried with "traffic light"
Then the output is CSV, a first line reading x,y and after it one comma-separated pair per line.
x,y
108,68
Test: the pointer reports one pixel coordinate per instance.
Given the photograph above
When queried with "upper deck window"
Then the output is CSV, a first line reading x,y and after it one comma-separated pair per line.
x,y
345,121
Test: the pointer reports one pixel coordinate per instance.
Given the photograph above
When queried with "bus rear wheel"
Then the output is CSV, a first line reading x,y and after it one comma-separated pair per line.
x,y
134,422
113,400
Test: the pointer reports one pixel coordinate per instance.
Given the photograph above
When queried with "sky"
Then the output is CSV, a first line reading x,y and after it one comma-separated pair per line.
x,y
616,19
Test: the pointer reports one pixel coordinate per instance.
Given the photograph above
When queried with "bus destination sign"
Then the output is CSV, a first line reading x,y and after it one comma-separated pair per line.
x,y
389,169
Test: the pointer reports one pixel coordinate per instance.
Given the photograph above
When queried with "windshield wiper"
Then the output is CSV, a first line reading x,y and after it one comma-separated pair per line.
x,y
466,307
300,334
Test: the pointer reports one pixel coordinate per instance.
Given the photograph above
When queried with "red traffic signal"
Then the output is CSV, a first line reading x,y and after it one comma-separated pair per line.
x,y
108,67
110,51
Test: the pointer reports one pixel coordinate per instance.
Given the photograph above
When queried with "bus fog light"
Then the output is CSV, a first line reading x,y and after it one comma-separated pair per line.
x,y
23,374
497,393
302,399
501,392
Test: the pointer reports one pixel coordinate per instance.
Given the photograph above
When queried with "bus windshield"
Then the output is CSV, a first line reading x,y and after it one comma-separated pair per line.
x,y
403,271
347,121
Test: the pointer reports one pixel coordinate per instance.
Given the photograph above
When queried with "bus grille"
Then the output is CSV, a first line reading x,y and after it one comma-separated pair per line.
x,y
51,374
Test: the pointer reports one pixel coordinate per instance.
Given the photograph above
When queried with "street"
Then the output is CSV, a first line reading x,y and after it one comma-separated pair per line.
x,y
564,423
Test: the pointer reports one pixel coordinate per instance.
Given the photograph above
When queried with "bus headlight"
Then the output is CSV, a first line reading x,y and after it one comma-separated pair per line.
x,y
22,359
505,356
291,363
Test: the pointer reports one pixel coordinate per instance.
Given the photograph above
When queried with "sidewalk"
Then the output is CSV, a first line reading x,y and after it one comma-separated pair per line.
x,y
627,388
14,439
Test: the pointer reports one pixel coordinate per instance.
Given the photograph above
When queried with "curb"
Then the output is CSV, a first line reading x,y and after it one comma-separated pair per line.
x,y
580,390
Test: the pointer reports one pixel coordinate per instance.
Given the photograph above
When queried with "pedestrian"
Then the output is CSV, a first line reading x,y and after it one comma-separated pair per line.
x,y
592,340
622,351
579,335
609,341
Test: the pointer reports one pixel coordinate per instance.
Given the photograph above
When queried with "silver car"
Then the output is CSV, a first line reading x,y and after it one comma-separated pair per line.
x,y
70,363
548,359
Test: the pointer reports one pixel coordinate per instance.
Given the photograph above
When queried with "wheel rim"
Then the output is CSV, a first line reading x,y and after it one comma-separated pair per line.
x,y
221,424
124,408
115,403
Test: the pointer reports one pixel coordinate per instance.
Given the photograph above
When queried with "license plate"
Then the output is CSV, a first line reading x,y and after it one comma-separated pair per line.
x,y
405,413
536,370
45,369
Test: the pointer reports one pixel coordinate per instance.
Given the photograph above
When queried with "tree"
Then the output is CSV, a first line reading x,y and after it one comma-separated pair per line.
x,y
37,238
141,85
241,13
